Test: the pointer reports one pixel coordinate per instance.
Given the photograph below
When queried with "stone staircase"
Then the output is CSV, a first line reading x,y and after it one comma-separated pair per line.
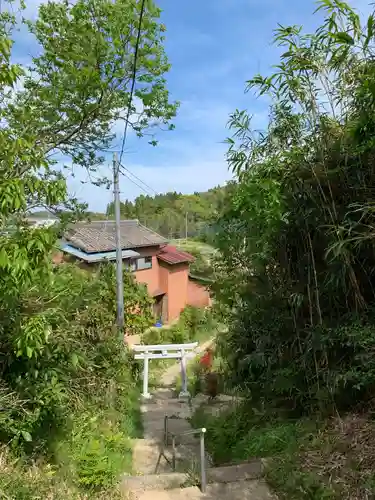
x,y
155,478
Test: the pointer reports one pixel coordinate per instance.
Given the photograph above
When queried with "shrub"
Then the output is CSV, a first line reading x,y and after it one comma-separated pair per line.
x,y
68,386
295,275
194,323
322,368
61,350
99,450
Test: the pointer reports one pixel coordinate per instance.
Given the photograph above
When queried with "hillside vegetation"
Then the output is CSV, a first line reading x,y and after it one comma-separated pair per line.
x,y
68,393
175,215
204,255
295,277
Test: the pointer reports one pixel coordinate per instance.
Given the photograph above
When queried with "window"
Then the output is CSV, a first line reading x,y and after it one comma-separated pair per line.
x,y
140,264
133,264
144,263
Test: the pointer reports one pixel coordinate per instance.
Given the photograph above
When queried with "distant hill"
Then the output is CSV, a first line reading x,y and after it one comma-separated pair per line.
x,y
175,215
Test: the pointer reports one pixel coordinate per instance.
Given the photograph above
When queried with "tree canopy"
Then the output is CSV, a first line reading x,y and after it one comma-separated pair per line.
x,y
175,214
297,239
74,90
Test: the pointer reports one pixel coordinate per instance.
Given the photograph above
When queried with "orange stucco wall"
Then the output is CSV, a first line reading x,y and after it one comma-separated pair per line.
x,y
197,295
150,277
176,278
163,277
170,279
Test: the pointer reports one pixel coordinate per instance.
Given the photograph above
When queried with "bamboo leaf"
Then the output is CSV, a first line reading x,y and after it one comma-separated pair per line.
x,y
342,37
370,30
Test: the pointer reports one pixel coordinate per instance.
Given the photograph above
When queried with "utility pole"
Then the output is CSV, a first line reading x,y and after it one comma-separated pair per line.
x,y
186,225
119,277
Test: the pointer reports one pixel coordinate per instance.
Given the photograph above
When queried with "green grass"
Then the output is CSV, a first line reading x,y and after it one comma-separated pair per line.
x,y
194,246
25,480
98,449
87,462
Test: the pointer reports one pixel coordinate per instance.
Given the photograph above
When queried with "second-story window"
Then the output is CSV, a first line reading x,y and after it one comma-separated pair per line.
x,y
141,263
144,263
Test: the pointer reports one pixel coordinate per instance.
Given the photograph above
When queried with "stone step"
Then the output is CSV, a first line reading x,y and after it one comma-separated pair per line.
x,y
187,453
147,460
146,455
242,490
233,473
153,428
167,405
151,482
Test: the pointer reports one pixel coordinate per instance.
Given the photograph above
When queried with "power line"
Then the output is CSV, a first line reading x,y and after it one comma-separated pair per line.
x,y
133,77
136,183
122,167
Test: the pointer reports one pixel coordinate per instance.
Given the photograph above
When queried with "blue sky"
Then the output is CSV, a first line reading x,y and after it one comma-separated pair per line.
x,y
214,46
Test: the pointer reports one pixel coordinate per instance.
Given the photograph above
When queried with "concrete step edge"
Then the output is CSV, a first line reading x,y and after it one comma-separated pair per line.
x,y
147,482
245,471
241,490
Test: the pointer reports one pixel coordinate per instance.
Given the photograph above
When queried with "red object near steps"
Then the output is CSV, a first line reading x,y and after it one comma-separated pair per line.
x,y
207,359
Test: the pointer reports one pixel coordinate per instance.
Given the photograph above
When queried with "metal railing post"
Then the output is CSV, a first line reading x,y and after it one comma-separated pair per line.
x,y
203,462
174,453
202,432
166,430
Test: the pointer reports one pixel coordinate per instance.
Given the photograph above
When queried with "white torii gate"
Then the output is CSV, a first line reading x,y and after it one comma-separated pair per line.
x,y
165,351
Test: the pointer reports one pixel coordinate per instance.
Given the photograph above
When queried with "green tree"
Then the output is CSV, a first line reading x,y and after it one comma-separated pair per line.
x,y
80,84
296,239
74,91
168,213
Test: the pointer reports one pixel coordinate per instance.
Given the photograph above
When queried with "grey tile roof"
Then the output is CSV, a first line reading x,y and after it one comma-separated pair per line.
x,y
99,236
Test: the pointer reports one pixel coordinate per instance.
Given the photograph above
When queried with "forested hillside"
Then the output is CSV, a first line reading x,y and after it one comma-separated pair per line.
x,y
174,214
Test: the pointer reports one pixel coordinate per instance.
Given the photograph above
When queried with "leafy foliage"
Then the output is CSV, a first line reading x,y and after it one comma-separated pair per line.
x,y
174,214
296,267
50,370
194,324
67,390
80,84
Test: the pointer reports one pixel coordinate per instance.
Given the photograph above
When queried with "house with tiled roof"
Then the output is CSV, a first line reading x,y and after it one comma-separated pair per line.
x,y
163,268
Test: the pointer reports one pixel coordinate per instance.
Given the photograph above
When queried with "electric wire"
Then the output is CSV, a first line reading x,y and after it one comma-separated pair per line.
x,y
133,78
147,186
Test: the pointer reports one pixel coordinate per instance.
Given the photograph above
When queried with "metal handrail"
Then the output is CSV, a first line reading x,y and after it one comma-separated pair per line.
x,y
173,435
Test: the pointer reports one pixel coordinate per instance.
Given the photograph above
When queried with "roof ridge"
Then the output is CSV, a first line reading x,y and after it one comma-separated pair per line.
x,y
151,230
